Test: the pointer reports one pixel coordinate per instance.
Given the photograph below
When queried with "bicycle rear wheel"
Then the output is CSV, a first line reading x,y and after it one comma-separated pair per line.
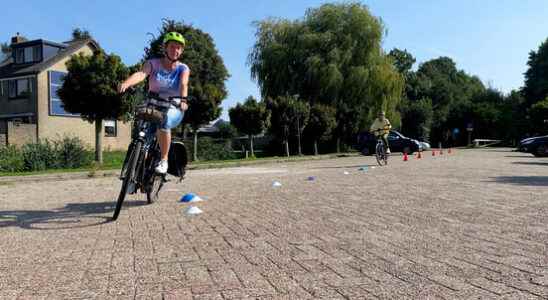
x,y
128,177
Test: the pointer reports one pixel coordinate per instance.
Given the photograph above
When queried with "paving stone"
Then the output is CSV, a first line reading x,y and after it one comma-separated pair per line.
x,y
463,226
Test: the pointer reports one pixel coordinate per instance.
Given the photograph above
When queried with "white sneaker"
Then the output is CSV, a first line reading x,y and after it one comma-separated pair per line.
x,y
387,150
161,168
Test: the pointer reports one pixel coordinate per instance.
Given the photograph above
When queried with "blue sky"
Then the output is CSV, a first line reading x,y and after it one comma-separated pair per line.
x,y
487,38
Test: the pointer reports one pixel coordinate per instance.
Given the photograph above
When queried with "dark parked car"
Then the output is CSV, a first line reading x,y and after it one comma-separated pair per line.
x,y
398,143
538,146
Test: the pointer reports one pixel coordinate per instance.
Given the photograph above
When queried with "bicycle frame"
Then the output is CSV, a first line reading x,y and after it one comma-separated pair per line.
x,y
380,152
143,153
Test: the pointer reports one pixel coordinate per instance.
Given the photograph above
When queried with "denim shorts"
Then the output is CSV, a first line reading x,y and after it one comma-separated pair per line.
x,y
172,119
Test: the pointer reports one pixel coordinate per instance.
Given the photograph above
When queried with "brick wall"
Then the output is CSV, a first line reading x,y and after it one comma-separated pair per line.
x,y
20,134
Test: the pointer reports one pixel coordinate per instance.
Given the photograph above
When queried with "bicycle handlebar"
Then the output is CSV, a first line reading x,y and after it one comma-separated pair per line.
x,y
381,129
174,100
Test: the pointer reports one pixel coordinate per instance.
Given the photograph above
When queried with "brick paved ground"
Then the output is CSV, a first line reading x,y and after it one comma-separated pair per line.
x,y
470,225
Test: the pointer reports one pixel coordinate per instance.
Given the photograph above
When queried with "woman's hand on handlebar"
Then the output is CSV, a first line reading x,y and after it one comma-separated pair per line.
x,y
122,87
184,106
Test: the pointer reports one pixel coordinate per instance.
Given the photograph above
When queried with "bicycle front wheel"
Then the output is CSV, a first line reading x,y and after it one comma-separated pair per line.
x,y
156,183
128,178
380,155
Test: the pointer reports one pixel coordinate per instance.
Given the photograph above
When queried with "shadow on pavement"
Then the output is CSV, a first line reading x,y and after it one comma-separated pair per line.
x,y
538,163
520,156
523,180
73,215
347,167
499,150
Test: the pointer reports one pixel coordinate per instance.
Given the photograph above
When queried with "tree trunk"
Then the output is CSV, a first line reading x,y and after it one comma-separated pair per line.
x,y
251,145
338,145
99,141
195,154
315,147
299,138
286,143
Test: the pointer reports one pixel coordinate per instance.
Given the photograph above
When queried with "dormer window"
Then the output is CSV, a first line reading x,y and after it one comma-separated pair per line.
x,y
28,54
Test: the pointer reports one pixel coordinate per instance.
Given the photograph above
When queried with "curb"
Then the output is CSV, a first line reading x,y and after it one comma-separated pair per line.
x,y
9,180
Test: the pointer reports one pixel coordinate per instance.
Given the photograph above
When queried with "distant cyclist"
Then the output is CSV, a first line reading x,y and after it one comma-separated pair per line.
x,y
169,78
381,127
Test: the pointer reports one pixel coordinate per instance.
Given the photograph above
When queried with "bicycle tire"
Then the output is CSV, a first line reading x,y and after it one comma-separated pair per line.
x,y
155,187
132,164
380,155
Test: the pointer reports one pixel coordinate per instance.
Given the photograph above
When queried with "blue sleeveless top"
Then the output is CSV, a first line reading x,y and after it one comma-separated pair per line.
x,y
164,82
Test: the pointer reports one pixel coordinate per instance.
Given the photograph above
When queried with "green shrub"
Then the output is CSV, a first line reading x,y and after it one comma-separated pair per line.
x,y
11,159
71,153
40,156
208,149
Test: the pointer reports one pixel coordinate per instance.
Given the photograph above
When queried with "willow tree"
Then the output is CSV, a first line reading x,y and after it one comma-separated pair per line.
x,y
325,57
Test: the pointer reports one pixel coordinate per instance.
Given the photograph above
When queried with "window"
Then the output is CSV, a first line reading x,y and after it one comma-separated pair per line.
x,y
19,88
110,128
12,89
19,55
23,87
56,105
28,54
37,53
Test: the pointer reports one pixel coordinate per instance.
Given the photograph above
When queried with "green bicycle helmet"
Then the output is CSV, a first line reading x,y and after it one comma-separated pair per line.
x,y
174,36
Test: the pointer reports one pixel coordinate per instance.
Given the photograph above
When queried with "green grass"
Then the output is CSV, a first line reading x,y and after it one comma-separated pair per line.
x,y
113,160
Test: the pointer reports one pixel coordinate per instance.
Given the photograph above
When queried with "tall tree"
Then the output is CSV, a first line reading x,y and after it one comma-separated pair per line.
x,y
513,121
539,117
250,118
320,124
536,76
284,112
5,51
90,89
402,60
450,90
417,118
208,74
80,34
326,57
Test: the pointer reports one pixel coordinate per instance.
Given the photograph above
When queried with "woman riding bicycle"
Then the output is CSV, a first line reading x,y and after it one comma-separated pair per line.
x,y
381,127
168,78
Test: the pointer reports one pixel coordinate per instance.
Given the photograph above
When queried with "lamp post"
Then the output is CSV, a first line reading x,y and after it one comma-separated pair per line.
x,y
470,128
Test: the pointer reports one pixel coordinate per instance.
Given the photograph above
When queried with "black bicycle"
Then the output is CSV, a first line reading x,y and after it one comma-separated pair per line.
x,y
380,150
143,153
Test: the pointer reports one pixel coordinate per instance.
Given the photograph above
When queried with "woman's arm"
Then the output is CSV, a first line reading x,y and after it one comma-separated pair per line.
x,y
135,78
184,88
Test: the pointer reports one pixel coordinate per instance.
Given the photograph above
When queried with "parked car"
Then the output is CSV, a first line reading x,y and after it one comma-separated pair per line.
x,y
424,146
398,143
538,146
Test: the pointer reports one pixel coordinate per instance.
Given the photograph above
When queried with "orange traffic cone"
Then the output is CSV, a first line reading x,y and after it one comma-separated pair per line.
x,y
433,152
405,156
419,154
449,151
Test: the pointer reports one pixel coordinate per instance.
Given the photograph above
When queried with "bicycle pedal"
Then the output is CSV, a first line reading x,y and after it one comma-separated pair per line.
x,y
132,188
